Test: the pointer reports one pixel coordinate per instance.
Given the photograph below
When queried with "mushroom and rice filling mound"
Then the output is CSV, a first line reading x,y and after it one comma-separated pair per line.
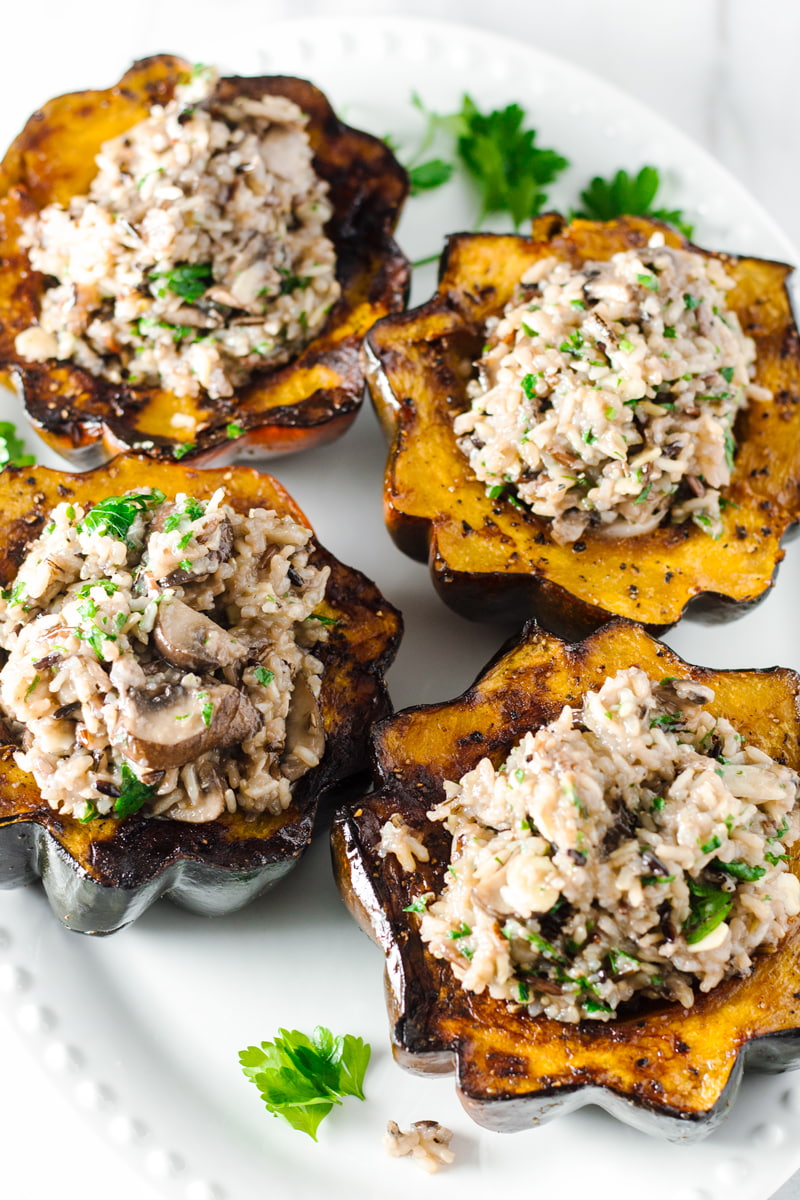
x,y
199,255
636,846
606,394
159,657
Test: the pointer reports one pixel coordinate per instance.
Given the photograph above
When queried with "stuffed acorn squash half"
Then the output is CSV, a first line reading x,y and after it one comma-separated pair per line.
x,y
582,873
190,264
186,673
599,420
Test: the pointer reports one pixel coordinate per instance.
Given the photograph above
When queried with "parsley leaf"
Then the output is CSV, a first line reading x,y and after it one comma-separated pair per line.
x,y
631,195
739,869
133,793
429,175
113,516
12,448
300,1079
511,171
190,281
709,906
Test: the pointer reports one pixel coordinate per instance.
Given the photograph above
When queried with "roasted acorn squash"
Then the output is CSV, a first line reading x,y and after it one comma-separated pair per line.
x,y
102,875
489,559
666,1070
309,401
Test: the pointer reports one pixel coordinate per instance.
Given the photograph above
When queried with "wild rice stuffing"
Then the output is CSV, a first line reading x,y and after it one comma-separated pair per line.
x,y
637,845
199,255
160,657
606,395
427,1142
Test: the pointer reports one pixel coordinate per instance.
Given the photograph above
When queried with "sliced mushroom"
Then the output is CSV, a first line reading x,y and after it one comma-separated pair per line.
x,y
210,803
190,639
305,737
174,726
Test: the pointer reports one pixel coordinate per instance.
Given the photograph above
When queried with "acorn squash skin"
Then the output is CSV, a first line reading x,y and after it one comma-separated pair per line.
x,y
310,400
668,1071
490,560
103,874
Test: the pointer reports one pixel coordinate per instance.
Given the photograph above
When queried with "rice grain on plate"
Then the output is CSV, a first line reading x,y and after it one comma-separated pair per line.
x,y
636,845
160,656
199,255
607,394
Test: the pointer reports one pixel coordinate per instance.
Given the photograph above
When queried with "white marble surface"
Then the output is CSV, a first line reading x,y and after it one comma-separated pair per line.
x,y
722,70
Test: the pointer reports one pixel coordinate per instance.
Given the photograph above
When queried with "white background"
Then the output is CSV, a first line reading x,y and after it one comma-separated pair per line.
x,y
724,71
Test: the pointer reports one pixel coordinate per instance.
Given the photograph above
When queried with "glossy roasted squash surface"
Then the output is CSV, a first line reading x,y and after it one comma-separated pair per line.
x,y
489,559
309,401
103,874
669,1071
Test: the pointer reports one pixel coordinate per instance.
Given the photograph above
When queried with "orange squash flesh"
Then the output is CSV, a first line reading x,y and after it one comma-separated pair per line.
x,y
489,559
667,1070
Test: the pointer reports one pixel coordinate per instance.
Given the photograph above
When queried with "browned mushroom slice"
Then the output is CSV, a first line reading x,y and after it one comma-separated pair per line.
x,y
305,739
218,545
187,638
209,803
174,726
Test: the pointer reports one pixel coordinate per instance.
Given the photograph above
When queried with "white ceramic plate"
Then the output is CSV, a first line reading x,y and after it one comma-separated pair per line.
x,y
144,1027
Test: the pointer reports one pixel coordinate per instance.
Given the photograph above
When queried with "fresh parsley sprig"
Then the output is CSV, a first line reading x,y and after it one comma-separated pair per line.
x,y
496,151
629,195
301,1078
12,448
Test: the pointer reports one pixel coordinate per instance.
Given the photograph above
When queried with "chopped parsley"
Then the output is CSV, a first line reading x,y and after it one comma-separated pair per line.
x,y
182,450
709,906
133,793
114,516
234,430
528,385
191,511
206,708
190,281
291,282
739,869
108,586
649,281
330,621
264,676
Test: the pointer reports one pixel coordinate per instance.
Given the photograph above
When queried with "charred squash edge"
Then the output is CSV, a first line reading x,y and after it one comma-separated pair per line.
x,y
663,1070
489,560
104,874
307,402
